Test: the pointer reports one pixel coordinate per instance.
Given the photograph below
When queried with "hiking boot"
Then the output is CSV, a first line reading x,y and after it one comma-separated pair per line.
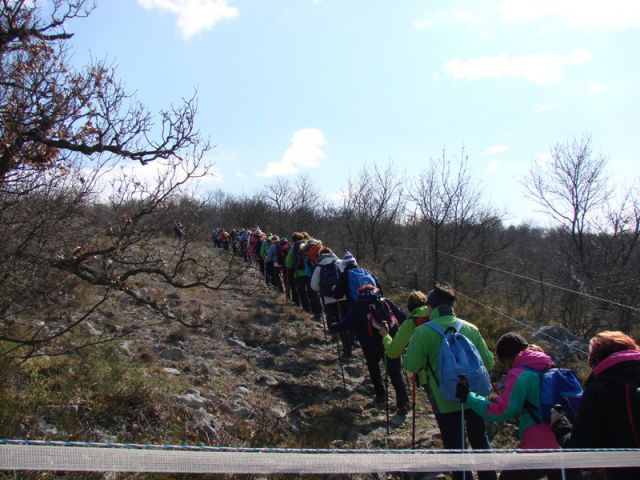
x,y
402,410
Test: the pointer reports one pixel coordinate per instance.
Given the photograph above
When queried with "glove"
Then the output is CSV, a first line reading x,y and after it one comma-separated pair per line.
x,y
557,415
462,389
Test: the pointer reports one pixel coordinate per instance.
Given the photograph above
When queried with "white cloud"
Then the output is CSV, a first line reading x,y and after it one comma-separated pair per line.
x,y
496,149
596,88
543,69
577,13
543,107
193,15
542,160
239,175
148,177
305,152
493,166
426,20
462,16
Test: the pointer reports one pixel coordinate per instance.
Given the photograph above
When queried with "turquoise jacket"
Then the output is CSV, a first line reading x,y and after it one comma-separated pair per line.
x,y
521,385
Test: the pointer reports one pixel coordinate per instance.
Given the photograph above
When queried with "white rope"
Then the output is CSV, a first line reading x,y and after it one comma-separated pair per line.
x,y
95,459
542,282
533,329
523,277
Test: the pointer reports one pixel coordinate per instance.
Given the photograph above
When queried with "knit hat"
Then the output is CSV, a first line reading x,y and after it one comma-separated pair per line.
x,y
442,294
349,259
509,345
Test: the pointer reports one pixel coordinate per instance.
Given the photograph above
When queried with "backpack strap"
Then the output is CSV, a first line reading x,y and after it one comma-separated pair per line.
x,y
528,406
632,394
434,326
457,325
632,399
532,411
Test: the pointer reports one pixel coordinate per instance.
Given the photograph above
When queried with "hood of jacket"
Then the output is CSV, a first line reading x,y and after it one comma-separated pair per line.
x,y
441,311
533,359
422,311
326,259
626,360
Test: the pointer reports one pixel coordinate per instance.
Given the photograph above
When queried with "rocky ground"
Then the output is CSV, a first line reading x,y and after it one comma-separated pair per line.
x,y
254,372
259,372
269,368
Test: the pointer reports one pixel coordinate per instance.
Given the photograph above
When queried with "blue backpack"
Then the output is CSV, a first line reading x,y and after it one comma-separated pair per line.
x,y
458,356
358,277
558,386
329,277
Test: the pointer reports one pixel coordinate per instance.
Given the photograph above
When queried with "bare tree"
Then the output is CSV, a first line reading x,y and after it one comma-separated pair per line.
x,y
600,255
280,197
62,133
305,202
572,189
449,204
372,204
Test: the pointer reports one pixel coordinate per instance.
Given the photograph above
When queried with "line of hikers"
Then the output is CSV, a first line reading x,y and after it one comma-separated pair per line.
x,y
450,359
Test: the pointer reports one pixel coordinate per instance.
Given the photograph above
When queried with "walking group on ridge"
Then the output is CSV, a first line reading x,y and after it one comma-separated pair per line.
x,y
449,358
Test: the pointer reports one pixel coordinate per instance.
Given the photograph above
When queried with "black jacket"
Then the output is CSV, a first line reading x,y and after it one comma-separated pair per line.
x,y
357,318
602,420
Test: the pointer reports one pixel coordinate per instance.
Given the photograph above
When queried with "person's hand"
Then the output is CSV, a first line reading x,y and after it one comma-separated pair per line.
x,y
556,415
462,389
383,331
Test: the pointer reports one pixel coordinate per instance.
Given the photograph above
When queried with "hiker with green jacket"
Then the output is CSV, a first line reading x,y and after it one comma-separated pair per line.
x,y
422,358
394,347
296,261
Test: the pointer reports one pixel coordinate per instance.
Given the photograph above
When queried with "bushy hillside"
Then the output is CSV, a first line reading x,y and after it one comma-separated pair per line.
x,y
254,372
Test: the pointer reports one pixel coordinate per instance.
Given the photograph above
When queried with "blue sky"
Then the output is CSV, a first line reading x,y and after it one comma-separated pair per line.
x,y
325,86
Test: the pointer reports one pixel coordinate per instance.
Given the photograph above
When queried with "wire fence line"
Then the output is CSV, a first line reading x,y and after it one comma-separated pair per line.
x,y
541,282
524,324
522,277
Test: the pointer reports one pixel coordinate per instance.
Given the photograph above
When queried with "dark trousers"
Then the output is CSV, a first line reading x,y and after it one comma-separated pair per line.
x,y
309,299
450,427
533,475
275,277
268,272
372,355
334,312
290,284
303,293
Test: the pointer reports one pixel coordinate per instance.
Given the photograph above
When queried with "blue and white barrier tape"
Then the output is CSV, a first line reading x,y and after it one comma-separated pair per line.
x,y
38,455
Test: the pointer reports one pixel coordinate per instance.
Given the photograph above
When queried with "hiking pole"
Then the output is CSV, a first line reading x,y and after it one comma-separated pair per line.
x,y
413,407
285,276
462,377
344,382
324,317
386,390
253,266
